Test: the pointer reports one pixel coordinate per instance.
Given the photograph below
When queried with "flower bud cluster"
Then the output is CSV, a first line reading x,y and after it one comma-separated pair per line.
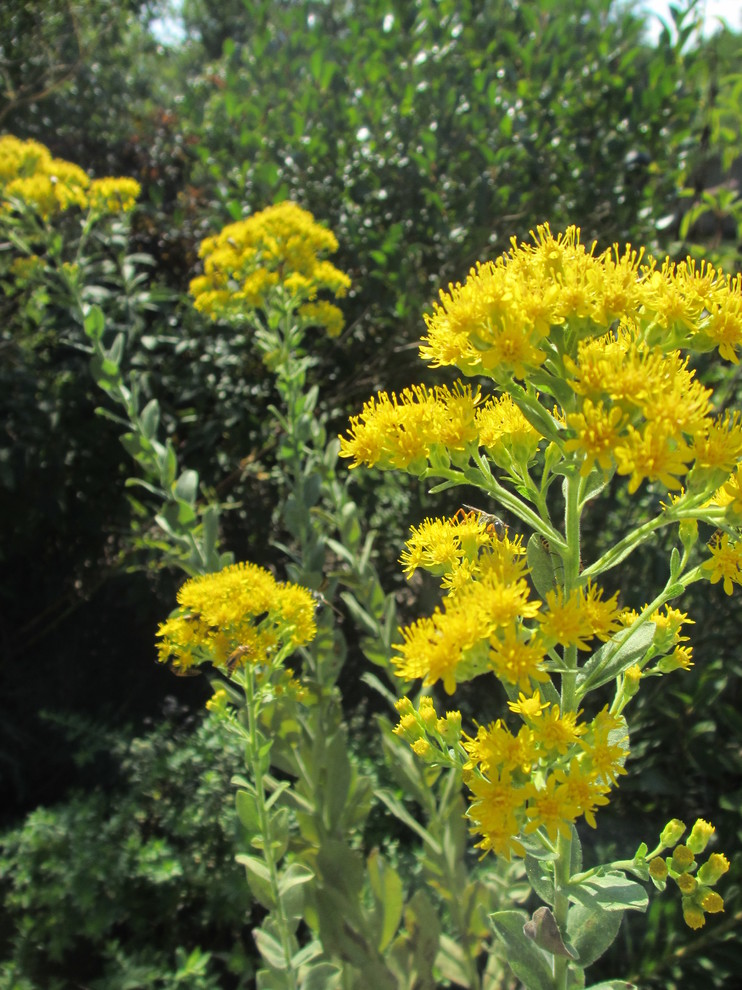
x,y
693,881
435,739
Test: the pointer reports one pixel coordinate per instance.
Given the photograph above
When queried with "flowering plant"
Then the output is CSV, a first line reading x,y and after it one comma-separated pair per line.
x,y
64,234
588,358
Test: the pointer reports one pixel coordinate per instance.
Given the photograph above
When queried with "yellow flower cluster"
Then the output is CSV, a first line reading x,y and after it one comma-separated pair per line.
x,y
437,425
481,625
669,650
520,312
47,185
603,333
554,770
279,248
240,615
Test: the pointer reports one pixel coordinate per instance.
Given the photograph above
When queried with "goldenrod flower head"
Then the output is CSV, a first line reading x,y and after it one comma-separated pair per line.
x,y
423,749
598,432
516,660
449,728
236,616
496,748
632,679
436,648
557,733
113,195
50,186
404,706
528,707
581,616
552,808
725,563
505,432
404,431
279,249
668,623
497,813
428,714
679,659
730,494
409,727
605,746
699,836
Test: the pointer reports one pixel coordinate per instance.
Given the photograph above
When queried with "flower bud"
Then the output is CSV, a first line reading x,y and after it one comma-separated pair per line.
x,y
682,859
423,749
672,832
450,727
712,902
404,706
217,703
699,836
688,532
428,713
715,866
408,727
693,915
658,869
631,679
687,883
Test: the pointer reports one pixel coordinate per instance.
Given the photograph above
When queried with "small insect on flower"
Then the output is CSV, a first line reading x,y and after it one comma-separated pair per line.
x,y
489,519
234,658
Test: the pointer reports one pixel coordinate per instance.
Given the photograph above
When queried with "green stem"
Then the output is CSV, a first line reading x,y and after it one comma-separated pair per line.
x,y
255,741
563,864
562,868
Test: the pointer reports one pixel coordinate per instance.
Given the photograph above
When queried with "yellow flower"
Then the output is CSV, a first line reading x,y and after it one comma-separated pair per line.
x,y
725,563
505,431
712,902
604,747
323,314
582,788
700,835
654,455
113,195
496,811
557,732
51,185
495,748
402,431
528,707
236,616
598,430
730,493
693,916
279,249
574,621
551,807
516,661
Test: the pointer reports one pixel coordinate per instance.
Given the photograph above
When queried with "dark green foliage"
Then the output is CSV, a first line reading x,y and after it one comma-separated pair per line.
x,y
426,135
123,878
